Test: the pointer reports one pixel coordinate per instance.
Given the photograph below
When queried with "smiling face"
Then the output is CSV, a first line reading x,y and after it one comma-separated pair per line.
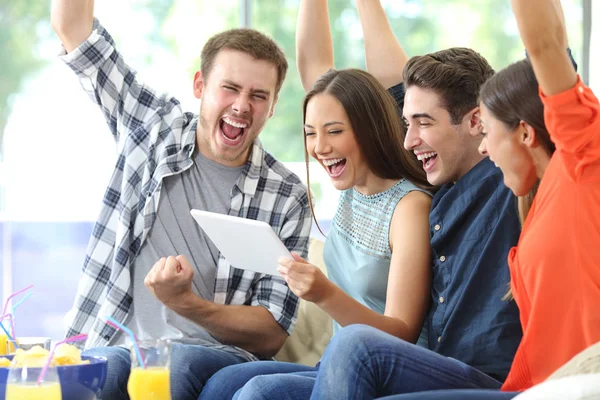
x,y
508,149
447,151
237,99
331,141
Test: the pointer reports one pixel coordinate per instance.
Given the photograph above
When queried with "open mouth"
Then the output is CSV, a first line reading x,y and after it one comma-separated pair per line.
x,y
335,166
428,159
232,132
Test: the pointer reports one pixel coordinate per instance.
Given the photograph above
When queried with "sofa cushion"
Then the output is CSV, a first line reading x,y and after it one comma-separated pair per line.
x,y
314,328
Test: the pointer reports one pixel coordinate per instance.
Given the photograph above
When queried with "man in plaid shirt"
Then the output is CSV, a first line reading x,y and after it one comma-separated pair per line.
x,y
148,264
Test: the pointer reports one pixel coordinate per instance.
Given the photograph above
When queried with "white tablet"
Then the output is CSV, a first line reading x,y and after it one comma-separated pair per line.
x,y
245,243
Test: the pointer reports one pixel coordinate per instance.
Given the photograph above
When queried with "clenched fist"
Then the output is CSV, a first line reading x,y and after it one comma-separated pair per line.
x,y
170,280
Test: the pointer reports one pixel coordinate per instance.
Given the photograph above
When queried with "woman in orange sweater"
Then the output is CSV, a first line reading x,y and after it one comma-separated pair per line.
x,y
555,268
546,131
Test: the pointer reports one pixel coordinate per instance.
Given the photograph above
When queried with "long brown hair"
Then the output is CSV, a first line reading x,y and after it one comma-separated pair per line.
x,y
375,120
512,96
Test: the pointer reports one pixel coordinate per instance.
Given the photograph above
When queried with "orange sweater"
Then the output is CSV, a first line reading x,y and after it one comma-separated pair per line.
x,y
555,268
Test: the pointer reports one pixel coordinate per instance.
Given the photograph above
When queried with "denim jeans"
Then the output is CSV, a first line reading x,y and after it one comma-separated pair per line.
x,y
362,362
456,394
290,386
191,366
225,383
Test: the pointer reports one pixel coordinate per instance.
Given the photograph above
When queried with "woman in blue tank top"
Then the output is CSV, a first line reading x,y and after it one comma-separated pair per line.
x,y
377,253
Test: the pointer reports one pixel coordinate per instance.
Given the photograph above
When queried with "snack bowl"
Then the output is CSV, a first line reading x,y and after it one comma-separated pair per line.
x,y
77,382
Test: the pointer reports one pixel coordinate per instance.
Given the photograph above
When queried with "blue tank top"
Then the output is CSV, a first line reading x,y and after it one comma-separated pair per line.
x,y
357,250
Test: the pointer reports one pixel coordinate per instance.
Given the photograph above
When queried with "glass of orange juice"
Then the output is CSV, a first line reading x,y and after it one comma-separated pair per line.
x,y
3,342
22,384
154,381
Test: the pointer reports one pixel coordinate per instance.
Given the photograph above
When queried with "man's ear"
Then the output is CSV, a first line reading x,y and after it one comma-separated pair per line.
x,y
273,105
527,134
474,118
198,84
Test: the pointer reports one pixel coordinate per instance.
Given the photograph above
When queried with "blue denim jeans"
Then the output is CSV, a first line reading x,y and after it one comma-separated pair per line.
x,y
191,367
290,386
456,394
224,384
362,362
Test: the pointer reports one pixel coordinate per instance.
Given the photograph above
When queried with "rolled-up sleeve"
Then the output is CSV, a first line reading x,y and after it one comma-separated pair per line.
x,y
572,119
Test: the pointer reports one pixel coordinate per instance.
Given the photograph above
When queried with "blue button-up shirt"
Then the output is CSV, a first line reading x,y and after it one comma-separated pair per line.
x,y
474,223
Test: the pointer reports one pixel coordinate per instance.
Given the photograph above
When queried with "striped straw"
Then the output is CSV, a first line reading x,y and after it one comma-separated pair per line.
x,y
115,324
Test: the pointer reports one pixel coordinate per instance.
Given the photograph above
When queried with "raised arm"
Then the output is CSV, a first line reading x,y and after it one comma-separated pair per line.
x,y
542,28
384,55
314,46
126,102
72,20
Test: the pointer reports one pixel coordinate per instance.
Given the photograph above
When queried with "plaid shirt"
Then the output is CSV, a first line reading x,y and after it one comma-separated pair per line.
x,y
155,139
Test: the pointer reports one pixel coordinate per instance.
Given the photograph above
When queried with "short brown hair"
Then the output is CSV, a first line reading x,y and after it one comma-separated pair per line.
x,y
455,74
248,41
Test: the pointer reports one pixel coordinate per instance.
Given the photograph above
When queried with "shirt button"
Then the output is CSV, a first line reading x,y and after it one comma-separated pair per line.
x,y
441,299
443,258
439,339
580,89
437,227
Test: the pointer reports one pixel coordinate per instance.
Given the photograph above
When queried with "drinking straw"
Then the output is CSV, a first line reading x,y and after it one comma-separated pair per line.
x,y
18,292
10,338
18,303
77,338
115,324
12,326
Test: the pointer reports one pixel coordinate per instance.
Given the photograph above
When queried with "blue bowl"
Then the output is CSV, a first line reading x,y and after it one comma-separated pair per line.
x,y
77,382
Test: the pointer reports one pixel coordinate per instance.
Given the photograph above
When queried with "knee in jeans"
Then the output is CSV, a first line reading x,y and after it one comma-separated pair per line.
x,y
353,335
181,361
261,384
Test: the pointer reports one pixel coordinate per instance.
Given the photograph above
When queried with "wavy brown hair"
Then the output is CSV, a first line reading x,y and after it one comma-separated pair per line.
x,y
375,120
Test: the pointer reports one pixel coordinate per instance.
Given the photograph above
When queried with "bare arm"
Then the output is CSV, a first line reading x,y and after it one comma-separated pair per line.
x,y
72,20
408,281
252,328
542,28
385,56
314,46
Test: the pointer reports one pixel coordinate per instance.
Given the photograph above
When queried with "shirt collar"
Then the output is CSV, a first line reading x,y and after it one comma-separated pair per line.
x,y
469,184
248,182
